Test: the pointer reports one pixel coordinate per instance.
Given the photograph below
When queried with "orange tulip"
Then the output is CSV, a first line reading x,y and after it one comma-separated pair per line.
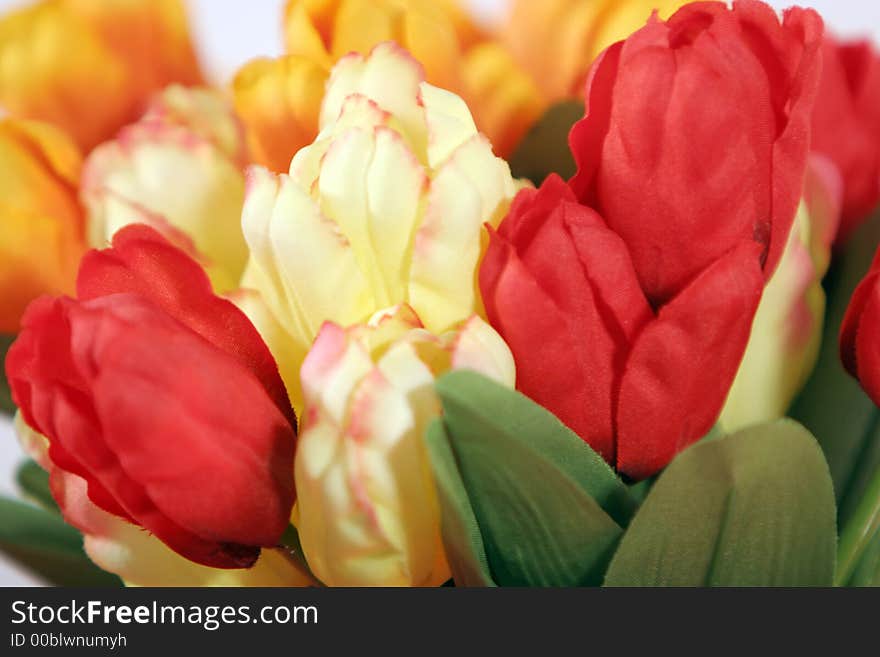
x,y
279,102
503,98
42,223
325,30
556,41
88,66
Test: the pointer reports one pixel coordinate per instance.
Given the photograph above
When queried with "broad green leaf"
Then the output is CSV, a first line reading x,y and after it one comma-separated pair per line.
x,y
832,405
462,539
41,541
6,405
34,482
549,510
755,508
544,150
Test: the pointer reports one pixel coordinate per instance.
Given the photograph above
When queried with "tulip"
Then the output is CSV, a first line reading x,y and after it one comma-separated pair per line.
x,y
651,155
787,331
136,556
42,238
177,170
454,51
163,398
324,32
367,510
279,101
627,296
506,102
858,333
385,207
89,66
846,124
556,41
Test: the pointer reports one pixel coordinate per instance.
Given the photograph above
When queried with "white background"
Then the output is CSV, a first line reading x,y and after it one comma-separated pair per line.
x,y
229,32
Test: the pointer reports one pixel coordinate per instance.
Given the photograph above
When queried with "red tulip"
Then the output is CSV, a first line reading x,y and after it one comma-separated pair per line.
x,y
627,297
859,343
846,124
696,137
164,398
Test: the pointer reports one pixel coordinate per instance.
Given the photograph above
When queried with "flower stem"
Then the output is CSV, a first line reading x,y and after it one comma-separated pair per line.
x,y
862,528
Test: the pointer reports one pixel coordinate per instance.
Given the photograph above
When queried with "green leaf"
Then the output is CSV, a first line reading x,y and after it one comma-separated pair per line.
x,y
41,541
34,482
859,532
752,509
832,405
462,539
544,150
549,510
867,573
293,550
6,405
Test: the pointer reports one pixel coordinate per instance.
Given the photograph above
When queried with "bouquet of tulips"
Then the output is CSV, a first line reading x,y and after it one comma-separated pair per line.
x,y
584,298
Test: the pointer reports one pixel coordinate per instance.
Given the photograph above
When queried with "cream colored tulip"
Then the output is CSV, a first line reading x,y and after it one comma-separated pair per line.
x,y
367,510
387,206
178,170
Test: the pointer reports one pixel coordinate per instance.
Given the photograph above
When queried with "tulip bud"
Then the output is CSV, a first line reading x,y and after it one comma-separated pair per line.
x,y
556,41
324,32
505,101
627,296
859,333
176,170
279,101
42,238
367,511
387,206
89,67
136,556
163,398
846,125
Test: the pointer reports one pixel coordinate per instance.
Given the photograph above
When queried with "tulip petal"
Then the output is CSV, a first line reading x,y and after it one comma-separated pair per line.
x,y
48,56
446,250
368,76
366,513
682,364
142,262
867,351
479,348
505,100
580,395
171,172
311,266
141,559
279,101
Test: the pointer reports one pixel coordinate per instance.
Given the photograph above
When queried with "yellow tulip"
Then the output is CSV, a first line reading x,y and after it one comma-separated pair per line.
x,y
787,331
326,30
367,510
136,556
89,66
556,41
279,101
178,169
387,206
42,239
